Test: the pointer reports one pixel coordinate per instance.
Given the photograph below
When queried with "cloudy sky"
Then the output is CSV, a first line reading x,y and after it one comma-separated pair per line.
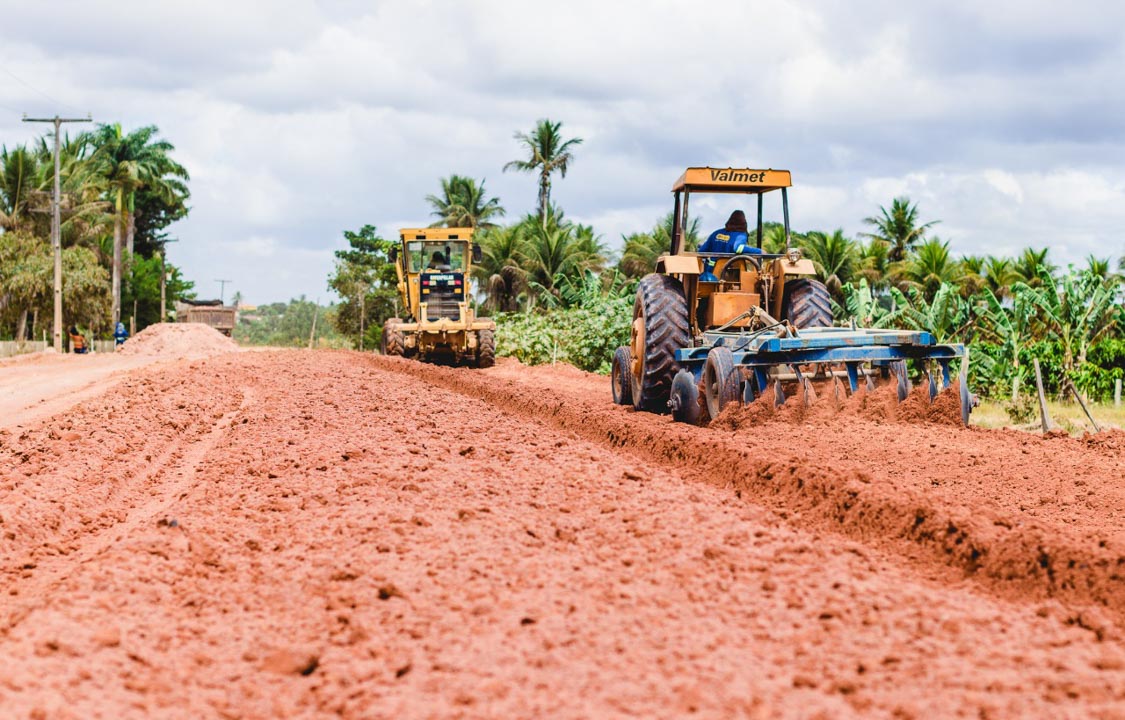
x,y
297,120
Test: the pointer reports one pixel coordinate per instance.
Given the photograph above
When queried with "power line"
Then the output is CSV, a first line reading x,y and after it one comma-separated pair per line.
x,y
222,287
34,89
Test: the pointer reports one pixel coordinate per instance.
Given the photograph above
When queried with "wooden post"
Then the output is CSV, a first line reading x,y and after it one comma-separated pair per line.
x,y
1044,416
1117,393
1015,388
1082,402
312,333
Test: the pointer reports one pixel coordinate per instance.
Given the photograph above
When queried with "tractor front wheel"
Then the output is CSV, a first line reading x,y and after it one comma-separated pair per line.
x,y
660,328
619,376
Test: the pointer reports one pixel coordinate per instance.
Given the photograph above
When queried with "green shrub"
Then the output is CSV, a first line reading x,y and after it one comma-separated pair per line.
x,y
1022,409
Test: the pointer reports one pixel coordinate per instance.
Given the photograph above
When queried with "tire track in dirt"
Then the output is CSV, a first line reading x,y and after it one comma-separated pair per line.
x,y
77,483
166,479
365,544
1014,556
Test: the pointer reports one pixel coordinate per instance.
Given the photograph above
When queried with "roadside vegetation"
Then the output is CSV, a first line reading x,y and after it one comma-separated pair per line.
x,y
559,295
120,191
299,323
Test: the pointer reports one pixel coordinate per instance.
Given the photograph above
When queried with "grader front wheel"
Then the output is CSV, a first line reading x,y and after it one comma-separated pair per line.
x,y
660,327
393,342
486,349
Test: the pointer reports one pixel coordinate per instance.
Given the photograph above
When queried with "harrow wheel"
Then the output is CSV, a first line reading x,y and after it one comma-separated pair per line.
x,y
806,303
685,398
720,381
660,327
393,342
619,376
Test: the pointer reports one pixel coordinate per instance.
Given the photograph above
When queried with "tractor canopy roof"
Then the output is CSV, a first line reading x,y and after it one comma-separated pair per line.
x,y
732,180
465,233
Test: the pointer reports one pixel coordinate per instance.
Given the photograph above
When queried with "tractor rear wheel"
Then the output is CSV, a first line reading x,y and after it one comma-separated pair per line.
x,y
486,349
807,304
393,342
660,328
619,376
720,381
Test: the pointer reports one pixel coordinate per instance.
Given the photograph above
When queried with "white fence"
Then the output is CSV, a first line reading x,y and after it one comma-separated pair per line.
x,y
8,348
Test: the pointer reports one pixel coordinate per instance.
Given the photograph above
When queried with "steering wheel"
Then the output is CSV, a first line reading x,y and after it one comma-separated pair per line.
x,y
752,260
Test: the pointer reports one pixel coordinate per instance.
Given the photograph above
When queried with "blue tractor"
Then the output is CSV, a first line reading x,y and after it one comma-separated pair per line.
x,y
729,323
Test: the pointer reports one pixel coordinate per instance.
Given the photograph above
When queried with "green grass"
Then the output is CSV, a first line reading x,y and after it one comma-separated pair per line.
x,y
1068,416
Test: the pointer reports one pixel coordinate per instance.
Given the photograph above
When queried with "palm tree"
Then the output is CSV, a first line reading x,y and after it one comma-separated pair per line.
x,y
462,203
930,268
20,174
898,227
999,276
834,257
127,163
1029,267
1098,266
590,244
554,249
640,251
500,274
874,264
547,153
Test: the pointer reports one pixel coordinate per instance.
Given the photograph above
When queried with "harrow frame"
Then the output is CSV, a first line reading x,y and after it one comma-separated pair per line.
x,y
762,352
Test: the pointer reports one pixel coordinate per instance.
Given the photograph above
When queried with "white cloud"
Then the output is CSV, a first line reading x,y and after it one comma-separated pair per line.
x,y
301,120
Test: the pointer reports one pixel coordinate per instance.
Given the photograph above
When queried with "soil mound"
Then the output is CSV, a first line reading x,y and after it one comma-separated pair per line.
x,y
881,405
179,340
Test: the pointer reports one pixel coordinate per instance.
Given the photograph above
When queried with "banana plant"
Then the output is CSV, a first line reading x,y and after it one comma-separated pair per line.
x,y
947,317
861,304
1077,309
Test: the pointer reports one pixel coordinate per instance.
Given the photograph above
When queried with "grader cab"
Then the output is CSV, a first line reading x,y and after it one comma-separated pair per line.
x,y
736,325
434,267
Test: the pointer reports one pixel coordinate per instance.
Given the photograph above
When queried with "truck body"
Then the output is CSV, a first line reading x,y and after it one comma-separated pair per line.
x,y
211,313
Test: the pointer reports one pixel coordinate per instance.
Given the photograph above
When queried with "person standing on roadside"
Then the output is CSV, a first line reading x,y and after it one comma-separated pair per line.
x,y
120,334
77,341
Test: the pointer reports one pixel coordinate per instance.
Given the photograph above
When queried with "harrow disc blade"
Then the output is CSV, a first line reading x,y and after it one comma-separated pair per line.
x,y
902,382
810,393
966,403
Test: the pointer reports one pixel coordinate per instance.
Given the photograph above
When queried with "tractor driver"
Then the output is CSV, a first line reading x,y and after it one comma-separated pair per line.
x,y
731,238
437,260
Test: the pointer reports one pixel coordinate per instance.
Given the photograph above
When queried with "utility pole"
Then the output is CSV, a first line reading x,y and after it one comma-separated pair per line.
x,y
56,224
164,282
312,333
222,288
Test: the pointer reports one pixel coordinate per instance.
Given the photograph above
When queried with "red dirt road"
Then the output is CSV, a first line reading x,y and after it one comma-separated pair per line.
x,y
321,534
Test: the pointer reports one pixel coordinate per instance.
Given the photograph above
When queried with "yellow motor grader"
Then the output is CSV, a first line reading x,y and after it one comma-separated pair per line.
x,y
735,323
433,267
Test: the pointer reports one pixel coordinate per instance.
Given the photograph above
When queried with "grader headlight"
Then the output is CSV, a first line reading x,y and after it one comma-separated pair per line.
x,y
794,254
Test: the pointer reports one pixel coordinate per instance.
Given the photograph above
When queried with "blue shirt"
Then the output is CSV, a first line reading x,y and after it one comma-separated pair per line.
x,y
724,241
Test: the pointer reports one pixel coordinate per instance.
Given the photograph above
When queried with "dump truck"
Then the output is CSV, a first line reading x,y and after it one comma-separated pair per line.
x,y
734,327
434,267
212,313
